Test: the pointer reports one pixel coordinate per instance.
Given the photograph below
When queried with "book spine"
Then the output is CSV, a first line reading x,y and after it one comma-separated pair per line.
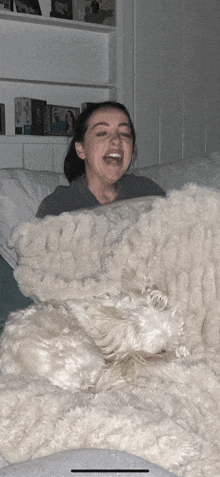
x,y
38,114
86,105
2,119
27,119
23,121
19,116
47,130
30,116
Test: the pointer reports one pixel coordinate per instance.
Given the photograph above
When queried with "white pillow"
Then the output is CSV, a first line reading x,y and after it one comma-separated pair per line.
x,y
21,192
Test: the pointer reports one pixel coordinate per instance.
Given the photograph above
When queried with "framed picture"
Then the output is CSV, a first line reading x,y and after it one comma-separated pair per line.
x,y
7,5
30,116
62,9
28,6
100,11
2,119
61,120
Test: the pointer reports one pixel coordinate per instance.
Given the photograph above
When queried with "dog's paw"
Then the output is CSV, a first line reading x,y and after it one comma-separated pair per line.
x,y
156,298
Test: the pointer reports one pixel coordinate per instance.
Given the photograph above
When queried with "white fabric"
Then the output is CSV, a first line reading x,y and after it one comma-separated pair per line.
x,y
21,192
202,170
171,417
71,256
167,412
67,345
125,249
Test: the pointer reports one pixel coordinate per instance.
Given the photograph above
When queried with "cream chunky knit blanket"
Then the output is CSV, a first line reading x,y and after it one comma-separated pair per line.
x,y
170,414
175,247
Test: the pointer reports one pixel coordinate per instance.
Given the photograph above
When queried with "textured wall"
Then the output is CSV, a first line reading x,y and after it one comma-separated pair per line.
x,y
177,70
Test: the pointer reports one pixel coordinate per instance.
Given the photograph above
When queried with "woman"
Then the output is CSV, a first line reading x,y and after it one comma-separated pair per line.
x,y
97,161
96,164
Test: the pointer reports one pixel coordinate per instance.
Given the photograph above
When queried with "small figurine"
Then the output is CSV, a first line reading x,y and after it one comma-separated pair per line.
x,y
94,6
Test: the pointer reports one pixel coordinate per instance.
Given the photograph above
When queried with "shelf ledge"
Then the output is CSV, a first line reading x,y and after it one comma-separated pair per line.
x,y
32,139
59,22
58,83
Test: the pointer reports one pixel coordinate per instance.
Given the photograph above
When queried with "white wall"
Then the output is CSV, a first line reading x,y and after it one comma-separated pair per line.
x,y
175,83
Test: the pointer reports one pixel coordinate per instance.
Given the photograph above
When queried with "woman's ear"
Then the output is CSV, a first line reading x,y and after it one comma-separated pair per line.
x,y
80,150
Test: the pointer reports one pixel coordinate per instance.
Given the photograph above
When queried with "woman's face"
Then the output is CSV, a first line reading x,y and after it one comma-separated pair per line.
x,y
107,146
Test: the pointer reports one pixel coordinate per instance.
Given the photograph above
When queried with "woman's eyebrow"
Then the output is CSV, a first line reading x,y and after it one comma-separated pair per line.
x,y
106,124
100,124
125,124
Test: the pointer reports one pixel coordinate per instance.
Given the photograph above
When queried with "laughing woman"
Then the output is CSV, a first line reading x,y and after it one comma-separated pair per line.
x,y
99,156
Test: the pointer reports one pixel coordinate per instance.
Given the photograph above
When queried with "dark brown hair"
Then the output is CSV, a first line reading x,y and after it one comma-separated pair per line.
x,y
74,167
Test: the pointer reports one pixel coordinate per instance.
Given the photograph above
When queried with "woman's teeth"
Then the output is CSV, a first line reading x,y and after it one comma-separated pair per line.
x,y
114,157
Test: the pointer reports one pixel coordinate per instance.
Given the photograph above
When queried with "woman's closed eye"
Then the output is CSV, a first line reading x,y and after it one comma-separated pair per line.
x,y
126,134
101,133
107,133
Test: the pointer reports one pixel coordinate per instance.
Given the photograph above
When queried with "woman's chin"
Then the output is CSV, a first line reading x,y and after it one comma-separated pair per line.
x,y
114,170
114,176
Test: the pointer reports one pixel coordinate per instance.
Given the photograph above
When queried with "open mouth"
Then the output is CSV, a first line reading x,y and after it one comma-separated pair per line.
x,y
114,158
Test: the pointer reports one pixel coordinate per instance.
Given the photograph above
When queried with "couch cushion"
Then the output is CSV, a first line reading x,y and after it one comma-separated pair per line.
x,y
21,192
200,170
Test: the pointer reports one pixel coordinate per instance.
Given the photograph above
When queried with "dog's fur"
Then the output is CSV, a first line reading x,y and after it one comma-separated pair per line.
x,y
90,345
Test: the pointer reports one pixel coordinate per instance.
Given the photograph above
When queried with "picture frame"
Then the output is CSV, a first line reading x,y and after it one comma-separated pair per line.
x,y
28,6
60,120
7,5
2,119
101,11
30,116
62,9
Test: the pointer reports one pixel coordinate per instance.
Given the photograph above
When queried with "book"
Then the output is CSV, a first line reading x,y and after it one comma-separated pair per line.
x,y
2,119
78,10
28,6
6,5
30,116
60,120
86,105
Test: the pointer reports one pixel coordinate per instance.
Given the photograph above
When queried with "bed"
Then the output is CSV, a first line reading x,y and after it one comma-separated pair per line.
x,y
167,423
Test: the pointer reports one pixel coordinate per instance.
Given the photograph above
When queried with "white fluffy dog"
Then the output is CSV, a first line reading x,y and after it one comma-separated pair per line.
x,y
90,345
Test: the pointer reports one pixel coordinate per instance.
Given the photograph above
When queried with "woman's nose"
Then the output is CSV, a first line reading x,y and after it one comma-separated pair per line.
x,y
116,137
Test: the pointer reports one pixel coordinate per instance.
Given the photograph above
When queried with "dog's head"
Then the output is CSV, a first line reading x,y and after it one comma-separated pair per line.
x,y
126,325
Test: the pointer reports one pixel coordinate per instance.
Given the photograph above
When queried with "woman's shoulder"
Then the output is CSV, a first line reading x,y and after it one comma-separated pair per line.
x,y
135,179
62,191
141,185
75,196
62,199
48,206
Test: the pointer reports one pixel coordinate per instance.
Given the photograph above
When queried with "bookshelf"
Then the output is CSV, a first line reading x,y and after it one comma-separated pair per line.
x,y
64,62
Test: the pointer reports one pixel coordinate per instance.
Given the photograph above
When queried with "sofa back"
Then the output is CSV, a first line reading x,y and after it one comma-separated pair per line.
x,y
203,171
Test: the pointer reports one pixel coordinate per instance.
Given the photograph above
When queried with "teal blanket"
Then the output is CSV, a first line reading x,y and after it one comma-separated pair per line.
x,y
10,296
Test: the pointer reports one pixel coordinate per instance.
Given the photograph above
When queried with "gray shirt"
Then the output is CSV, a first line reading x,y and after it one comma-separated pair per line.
x,y
77,195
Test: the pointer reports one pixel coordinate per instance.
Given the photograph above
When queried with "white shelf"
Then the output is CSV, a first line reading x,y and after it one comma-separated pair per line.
x,y
33,152
32,139
58,22
58,83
